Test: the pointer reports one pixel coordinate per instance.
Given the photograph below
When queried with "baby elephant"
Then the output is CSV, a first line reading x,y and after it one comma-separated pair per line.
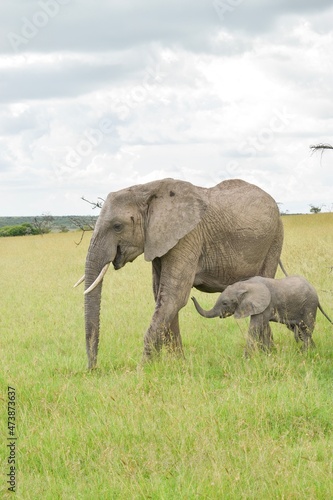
x,y
292,301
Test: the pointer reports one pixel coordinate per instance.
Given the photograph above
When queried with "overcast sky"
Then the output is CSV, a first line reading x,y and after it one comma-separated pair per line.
x,y
99,95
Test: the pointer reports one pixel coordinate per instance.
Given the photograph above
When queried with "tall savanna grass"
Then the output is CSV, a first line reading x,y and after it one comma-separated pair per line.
x,y
212,425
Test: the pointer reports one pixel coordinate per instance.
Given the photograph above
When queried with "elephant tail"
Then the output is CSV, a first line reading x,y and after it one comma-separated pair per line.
x,y
323,312
212,313
282,268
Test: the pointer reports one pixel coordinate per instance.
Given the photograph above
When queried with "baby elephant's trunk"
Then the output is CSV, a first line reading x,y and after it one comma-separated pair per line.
x,y
212,313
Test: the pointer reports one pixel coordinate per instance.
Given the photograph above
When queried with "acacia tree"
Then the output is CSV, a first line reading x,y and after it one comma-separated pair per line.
x,y
319,147
315,210
43,224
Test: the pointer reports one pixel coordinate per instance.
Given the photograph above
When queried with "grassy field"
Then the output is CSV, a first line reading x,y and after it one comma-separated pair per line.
x,y
212,426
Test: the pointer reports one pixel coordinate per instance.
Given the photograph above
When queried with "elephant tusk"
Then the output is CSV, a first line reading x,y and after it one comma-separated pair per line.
x,y
80,281
98,279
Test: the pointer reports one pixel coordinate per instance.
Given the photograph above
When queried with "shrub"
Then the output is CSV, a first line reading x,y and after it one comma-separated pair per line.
x,y
20,230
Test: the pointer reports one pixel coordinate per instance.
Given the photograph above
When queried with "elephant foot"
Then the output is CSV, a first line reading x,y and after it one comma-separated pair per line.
x,y
92,363
251,348
175,351
150,354
266,341
173,343
307,345
255,345
247,353
267,348
92,368
152,346
154,341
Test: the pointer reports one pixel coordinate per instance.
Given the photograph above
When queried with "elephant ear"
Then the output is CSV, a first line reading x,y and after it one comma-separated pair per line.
x,y
253,299
174,208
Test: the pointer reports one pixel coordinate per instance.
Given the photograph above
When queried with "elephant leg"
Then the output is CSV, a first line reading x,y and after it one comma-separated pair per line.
x,y
153,342
266,341
172,337
164,330
295,330
305,334
254,334
259,335
171,291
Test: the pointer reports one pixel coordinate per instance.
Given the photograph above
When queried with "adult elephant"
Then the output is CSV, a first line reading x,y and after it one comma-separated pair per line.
x,y
194,237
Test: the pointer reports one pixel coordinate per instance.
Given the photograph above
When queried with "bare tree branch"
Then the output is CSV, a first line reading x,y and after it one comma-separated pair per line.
x,y
84,224
87,224
320,147
99,204
79,243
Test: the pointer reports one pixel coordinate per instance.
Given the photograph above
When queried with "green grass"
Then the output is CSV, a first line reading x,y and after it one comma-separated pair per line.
x,y
214,425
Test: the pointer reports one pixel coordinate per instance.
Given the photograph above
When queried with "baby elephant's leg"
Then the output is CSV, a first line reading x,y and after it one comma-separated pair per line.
x,y
266,341
252,337
305,334
259,335
295,330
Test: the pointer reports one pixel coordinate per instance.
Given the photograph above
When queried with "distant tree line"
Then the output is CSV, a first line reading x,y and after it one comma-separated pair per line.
x,y
39,225
22,226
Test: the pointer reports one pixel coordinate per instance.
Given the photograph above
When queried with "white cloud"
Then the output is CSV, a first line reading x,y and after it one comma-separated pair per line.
x,y
106,95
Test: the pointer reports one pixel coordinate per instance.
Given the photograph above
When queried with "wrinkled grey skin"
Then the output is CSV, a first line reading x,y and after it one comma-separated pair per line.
x,y
292,301
206,238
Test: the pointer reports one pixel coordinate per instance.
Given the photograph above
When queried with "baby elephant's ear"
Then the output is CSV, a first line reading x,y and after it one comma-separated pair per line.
x,y
255,298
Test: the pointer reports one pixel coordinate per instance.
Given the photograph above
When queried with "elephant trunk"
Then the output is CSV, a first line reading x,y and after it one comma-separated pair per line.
x,y
92,303
212,313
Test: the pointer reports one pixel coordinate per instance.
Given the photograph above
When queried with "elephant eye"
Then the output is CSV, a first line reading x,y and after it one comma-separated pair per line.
x,y
117,226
